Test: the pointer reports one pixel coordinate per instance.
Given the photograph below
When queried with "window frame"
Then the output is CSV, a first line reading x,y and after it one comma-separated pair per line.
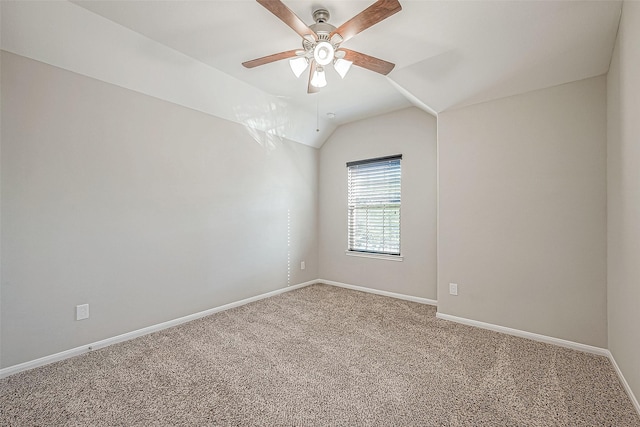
x,y
393,189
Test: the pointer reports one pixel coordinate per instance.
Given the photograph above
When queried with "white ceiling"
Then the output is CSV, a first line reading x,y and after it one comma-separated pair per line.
x,y
447,53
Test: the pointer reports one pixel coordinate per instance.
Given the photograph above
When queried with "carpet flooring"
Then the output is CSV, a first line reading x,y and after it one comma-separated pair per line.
x,y
321,356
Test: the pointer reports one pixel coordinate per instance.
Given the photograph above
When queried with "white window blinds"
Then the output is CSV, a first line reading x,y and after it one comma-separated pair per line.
x,y
374,205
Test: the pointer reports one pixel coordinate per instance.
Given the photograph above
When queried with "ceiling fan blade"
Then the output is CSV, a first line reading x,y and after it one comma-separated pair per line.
x,y
380,10
270,58
311,88
288,17
369,62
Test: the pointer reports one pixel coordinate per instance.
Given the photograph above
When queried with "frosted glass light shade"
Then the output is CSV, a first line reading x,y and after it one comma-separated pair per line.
x,y
298,65
323,53
319,79
342,66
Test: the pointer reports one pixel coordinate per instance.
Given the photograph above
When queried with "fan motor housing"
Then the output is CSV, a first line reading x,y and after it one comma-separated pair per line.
x,y
322,28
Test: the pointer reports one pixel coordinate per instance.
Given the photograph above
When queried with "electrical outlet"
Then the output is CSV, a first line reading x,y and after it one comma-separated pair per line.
x,y
82,311
302,265
453,288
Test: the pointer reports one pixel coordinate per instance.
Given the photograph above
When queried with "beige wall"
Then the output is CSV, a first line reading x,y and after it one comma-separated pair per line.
x,y
409,132
146,210
623,191
522,212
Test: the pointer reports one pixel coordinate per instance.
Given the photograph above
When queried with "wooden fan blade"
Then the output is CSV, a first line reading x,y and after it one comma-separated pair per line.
x,y
380,10
311,88
270,58
288,17
369,62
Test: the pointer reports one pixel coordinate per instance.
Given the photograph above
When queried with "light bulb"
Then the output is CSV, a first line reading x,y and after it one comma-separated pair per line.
x,y
342,66
323,53
298,65
319,79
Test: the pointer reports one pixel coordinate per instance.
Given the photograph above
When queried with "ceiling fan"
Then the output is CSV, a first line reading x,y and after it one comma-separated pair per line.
x,y
321,42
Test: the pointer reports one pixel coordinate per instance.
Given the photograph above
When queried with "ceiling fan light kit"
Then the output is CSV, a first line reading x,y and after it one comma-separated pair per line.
x,y
298,65
342,66
323,53
321,42
319,79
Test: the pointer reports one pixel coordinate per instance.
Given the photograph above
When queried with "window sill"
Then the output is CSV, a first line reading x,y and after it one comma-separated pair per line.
x,y
377,256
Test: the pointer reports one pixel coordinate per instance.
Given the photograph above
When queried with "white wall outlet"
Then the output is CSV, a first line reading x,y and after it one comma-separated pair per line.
x,y
453,288
302,265
82,311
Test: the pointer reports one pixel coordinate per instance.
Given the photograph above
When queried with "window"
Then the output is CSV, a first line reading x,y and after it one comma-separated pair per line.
x,y
374,205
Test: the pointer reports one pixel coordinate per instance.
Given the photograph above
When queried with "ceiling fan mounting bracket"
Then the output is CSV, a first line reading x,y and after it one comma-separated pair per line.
x,y
320,16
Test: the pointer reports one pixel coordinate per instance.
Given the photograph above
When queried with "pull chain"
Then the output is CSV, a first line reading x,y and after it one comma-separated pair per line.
x,y
318,115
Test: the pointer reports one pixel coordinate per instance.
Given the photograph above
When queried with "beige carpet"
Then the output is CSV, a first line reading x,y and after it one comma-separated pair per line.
x,y
321,356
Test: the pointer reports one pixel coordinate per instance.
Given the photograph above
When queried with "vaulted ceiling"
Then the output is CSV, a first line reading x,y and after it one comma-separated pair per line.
x,y
447,53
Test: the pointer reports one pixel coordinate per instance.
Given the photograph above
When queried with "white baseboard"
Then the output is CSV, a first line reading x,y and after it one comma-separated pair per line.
x,y
5,372
378,292
624,382
549,340
524,334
